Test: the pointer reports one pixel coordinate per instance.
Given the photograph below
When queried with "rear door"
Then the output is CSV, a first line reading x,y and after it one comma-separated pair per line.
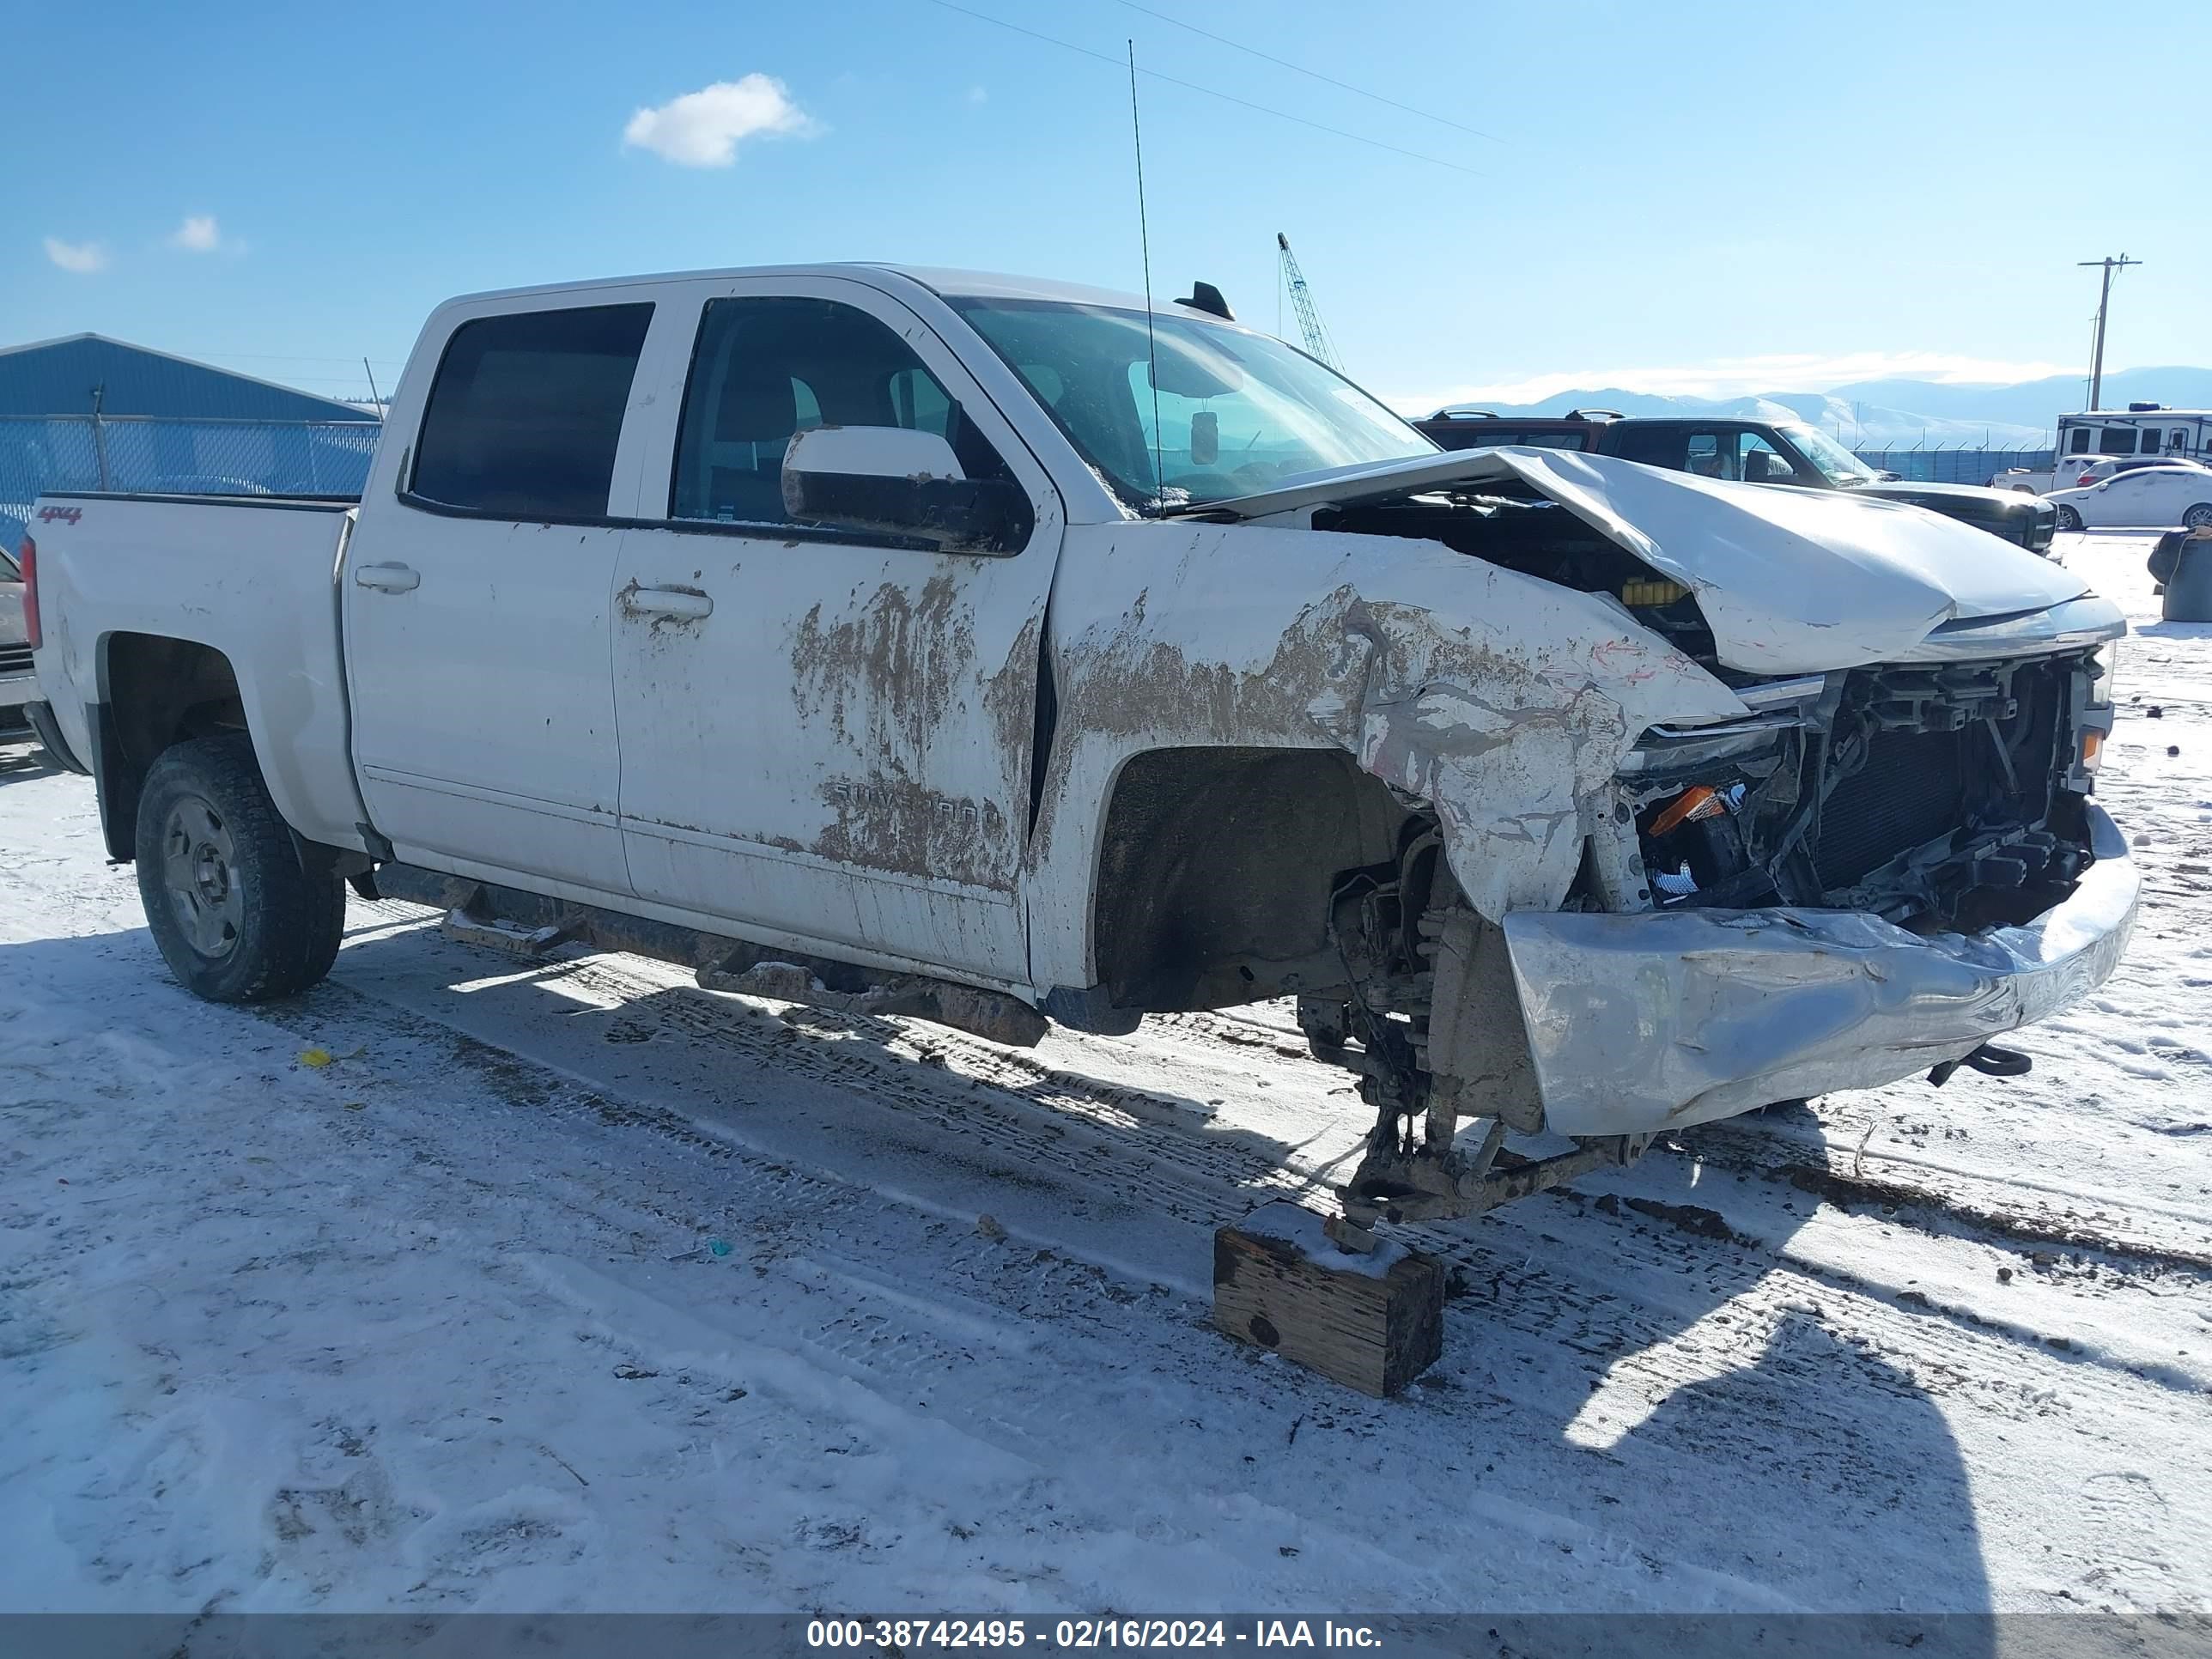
x,y
826,735
477,597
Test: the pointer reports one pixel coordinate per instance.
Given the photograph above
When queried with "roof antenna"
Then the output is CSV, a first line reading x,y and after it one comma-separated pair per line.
x,y
1144,238
373,398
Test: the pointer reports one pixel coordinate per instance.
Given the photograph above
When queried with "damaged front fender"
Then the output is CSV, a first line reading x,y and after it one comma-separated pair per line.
x,y
1504,702
1511,726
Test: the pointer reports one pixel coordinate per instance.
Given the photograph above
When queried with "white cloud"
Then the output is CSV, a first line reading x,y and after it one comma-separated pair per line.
x,y
83,258
1738,377
703,129
197,235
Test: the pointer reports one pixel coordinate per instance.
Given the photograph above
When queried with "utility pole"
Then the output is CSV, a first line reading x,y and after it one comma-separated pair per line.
x,y
2104,298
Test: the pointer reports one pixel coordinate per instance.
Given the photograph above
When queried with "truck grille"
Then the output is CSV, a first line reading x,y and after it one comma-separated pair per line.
x,y
1911,790
14,660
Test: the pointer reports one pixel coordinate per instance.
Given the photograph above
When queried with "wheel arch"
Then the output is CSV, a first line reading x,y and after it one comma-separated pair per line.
x,y
156,691
1215,868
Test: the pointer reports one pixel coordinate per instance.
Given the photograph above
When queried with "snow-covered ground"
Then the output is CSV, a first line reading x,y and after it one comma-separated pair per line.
x,y
570,1285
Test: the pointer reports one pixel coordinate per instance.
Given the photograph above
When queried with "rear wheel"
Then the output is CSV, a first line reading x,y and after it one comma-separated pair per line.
x,y
2197,516
2068,517
236,915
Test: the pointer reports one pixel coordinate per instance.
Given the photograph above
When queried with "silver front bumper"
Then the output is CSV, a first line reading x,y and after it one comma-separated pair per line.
x,y
1645,1022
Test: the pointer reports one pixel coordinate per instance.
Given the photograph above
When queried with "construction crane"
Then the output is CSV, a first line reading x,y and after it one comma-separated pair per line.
x,y
1310,323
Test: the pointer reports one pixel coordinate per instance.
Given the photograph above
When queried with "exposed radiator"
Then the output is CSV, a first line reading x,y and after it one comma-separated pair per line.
x,y
1911,790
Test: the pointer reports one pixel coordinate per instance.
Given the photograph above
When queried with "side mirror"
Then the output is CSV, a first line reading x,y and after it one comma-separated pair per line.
x,y
893,481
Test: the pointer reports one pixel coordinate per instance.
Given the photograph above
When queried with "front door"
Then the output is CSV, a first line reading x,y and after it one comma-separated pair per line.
x,y
826,736
477,603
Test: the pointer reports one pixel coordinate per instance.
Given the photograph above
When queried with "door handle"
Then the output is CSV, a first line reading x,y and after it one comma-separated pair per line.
x,y
391,578
677,602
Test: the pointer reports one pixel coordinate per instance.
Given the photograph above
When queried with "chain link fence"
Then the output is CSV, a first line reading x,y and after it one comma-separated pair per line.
x,y
1973,466
156,454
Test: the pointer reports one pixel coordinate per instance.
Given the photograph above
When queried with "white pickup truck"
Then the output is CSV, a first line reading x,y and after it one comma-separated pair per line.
x,y
989,650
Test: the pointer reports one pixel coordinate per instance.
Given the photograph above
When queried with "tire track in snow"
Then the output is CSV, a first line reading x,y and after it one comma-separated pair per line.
x,y
1036,1114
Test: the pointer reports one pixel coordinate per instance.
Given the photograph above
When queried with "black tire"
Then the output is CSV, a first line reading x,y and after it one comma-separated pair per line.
x,y
236,916
2068,517
2196,517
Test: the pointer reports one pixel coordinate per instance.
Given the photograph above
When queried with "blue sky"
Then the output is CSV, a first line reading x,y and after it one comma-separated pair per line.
x,y
1683,197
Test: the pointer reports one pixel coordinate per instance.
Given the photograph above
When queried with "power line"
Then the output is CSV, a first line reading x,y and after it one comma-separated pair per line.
x,y
1300,68
1210,92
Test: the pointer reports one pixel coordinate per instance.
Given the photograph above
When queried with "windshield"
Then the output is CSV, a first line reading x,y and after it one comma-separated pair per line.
x,y
1228,412
1838,462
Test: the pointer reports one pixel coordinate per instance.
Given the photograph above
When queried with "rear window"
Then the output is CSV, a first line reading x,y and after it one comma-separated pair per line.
x,y
526,409
1543,438
2117,440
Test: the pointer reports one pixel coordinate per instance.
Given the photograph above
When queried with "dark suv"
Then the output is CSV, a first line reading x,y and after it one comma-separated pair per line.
x,y
1754,452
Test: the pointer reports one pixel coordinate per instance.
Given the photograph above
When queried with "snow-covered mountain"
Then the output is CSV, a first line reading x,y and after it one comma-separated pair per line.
x,y
1905,414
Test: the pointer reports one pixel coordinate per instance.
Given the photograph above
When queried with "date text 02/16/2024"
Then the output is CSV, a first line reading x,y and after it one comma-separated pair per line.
x,y
950,1634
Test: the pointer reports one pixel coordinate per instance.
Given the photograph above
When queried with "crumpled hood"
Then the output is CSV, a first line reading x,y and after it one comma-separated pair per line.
x,y
1789,581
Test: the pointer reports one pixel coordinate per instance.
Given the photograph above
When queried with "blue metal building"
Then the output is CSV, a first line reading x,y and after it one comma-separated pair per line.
x,y
90,413
59,377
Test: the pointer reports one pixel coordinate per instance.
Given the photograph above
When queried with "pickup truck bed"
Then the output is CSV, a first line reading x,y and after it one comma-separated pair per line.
x,y
251,578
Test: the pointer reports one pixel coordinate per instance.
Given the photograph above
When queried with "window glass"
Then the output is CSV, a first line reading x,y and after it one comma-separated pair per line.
x,y
1758,461
1835,462
1494,436
2150,441
2179,441
1044,380
8,571
919,402
1652,446
1704,457
763,369
2080,444
1236,412
526,409
2117,440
